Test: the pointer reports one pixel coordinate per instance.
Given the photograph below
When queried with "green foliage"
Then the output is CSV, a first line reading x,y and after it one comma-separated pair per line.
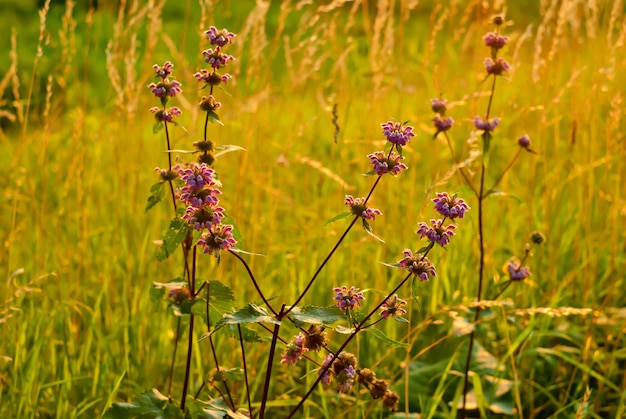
x,y
172,239
157,192
151,404
316,315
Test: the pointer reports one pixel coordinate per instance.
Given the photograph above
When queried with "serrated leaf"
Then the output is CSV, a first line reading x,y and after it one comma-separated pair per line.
x,y
369,231
249,314
221,296
338,217
173,237
151,404
223,149
316,315
213,409
157,192
378,334
158,126
213,117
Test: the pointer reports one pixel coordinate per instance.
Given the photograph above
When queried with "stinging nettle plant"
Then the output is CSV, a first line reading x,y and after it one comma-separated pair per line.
x,y
317,337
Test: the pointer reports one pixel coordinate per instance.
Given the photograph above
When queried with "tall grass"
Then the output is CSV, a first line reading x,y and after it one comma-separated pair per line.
x,y
78,327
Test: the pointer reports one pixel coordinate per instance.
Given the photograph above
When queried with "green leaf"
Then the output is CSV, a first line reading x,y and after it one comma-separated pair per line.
x,y
223,149
158,126
316,315
399,149
338,217
486,142
369,231
214,118
390,265
159,289
249,314
151,404
157,192
221,297
426,248
378,334
173,237
370,173
213,409
344,330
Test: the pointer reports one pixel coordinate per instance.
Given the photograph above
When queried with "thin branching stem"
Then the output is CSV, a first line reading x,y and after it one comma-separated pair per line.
x,y
270,362
481,268
245,368
456,160
254,281
169,386
190,340
508,167
357,328
332,252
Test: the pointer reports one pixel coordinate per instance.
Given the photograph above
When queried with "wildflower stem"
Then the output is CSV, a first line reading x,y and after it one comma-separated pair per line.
x,y
481,269
206,125
504,288
508,167
219,372
319,269
456,161
358,328
245,368
254,282
169,386
270,361
334,249
190,340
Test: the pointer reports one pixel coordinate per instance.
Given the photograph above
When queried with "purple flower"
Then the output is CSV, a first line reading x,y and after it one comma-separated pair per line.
x,y
165,88
216,58
418,265
345,379
165,115
450,206
517,272
218,239
325,371
212,78
393,307
486,125
438,106
219,38
293,351
165,71
495,40
442,124
348,299
382,164
396,133
203,217
360,209
497,67
436,232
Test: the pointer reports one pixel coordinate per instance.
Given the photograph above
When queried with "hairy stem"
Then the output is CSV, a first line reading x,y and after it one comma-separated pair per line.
x,y
245,368
270,362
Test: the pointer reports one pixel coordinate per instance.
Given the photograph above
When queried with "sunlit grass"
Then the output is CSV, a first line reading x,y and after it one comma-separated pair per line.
x,y
76,181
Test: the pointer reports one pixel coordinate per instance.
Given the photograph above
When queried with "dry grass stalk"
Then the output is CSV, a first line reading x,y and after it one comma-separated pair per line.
x,y
544,28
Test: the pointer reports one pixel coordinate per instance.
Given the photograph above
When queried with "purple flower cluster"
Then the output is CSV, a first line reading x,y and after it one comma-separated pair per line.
x,y
418,265
359,208
164,89
215,57
294,350
343,369
450,206
436,232
348,299
397,133
517,272
441,122
199,192
165,115
496,67
487,125
383,163
495,41
393,307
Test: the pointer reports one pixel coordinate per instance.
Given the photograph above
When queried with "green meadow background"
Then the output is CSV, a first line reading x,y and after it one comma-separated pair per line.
x,y
77,156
